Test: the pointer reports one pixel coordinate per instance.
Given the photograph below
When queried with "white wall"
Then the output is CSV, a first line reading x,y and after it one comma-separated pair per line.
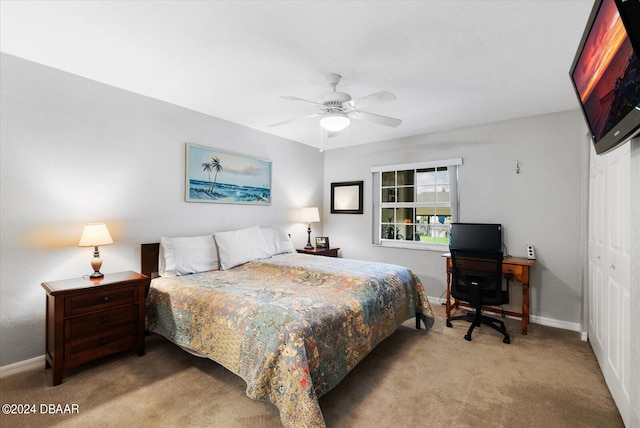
x,y
76,151
544,205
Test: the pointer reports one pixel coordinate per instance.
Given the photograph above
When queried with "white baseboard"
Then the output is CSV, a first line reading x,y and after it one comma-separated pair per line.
x,y
22,366
549,322
436,300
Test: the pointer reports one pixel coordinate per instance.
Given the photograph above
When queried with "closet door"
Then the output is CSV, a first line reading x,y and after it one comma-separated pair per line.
x,y
610,270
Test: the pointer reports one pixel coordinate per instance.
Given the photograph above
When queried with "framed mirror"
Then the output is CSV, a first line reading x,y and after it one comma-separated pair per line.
x,y
346,197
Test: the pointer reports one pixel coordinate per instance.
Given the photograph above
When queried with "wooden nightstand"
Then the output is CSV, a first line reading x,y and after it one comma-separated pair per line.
x,y
328,252
91,318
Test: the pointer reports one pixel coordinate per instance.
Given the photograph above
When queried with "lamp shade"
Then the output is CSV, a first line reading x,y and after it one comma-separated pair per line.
x,y
335,122
95,235
309,215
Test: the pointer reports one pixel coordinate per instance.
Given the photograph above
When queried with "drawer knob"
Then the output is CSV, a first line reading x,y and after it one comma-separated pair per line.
x,y
103,319
103,340
105,299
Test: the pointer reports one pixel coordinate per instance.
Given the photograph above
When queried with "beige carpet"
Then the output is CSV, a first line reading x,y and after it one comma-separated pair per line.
x,y
548,378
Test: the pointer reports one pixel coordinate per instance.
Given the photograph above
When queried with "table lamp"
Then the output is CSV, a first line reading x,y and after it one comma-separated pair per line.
x,y
309,215
94,235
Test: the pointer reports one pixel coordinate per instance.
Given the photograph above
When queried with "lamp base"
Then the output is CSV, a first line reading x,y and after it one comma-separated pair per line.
x,y
96,264
308,246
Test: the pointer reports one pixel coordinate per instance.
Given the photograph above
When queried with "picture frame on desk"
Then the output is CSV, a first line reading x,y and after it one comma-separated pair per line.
x,y
322,242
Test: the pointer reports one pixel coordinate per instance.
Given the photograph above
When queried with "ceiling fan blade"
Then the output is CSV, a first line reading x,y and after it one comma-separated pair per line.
x,y
377,97
290,98
295,119
375,118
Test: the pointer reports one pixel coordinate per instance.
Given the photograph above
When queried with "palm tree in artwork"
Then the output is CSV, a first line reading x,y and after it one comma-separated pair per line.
x,y
206,167
217,166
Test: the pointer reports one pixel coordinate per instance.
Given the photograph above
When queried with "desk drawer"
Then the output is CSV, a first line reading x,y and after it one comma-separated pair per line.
x,y
99,321
97,301
515,270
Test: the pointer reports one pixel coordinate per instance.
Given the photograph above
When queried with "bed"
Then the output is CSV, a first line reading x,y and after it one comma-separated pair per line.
x,y
291,325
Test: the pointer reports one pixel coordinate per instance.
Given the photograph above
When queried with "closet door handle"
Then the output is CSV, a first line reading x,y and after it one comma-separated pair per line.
x,y
612,266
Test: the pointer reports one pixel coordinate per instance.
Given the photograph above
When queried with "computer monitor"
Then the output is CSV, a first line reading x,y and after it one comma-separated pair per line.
x,y
475,236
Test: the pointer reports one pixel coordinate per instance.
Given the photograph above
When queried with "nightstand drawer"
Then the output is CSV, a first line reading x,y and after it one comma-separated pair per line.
x,y
94,346
90,302
100,321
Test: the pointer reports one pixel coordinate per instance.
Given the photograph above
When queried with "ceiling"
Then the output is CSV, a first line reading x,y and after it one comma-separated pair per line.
x,y
450,63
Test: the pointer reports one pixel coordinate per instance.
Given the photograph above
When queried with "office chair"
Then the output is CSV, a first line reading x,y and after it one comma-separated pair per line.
x,y
476,278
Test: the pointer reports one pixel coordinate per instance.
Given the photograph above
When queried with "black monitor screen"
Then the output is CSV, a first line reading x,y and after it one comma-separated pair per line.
x,y
475,236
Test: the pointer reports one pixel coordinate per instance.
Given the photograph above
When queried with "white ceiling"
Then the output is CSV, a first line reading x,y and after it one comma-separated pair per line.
x,y
450,63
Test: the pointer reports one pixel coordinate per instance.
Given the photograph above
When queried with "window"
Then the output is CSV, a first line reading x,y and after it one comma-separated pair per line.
x,y
415,203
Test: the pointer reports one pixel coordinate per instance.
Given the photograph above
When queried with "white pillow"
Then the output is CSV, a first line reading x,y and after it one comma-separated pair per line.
x,y
185,255
278,241
241,246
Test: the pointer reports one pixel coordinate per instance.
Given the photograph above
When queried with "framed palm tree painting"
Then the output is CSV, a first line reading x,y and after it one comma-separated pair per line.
x,y
220,176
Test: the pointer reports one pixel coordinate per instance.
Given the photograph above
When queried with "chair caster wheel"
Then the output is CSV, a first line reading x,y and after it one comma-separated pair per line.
x,y
467,337
449,324
506,340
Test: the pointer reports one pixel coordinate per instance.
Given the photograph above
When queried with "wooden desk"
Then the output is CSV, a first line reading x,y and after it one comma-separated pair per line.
x,y
518,268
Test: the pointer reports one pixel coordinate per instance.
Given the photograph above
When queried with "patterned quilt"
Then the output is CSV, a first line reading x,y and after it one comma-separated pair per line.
x,y
291,326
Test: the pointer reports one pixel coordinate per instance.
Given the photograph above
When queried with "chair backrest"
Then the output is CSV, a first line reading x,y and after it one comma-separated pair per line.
x,y
476,277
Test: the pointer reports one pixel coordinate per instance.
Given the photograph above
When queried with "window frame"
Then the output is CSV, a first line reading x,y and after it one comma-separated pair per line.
x,y
377,188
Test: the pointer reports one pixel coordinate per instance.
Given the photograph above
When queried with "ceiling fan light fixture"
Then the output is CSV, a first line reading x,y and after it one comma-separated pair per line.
x,y
335,122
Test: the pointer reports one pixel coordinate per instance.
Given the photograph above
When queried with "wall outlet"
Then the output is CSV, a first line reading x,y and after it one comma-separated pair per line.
x,y
531,254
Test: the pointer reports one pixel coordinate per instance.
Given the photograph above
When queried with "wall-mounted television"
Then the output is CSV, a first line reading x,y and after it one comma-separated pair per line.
x,y
606,73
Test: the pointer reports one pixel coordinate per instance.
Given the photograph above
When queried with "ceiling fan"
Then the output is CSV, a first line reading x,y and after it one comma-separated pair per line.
x,y
338,108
